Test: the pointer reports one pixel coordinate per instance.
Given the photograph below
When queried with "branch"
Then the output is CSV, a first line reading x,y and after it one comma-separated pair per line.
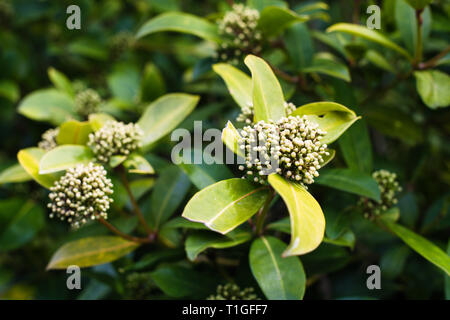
x,y
134,203
113,229
433,61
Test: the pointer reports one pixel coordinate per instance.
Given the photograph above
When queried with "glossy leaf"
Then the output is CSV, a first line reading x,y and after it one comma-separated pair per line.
x,y
350,181
268,100
371,35
180,22
330,68
432,86
60,81
332,117
299,45
422,246
238,83
136,163
279,278
168,192
202,240
91,251
230,137
48,105
164,114
98,120
306,216
21,220
29,159
177,281
273,20
152,84
206,173
226,204
13,174
65,157
74,132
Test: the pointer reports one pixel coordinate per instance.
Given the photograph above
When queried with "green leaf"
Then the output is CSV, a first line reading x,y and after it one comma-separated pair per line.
x,y
334,118
226,204
350,181
202,240
422,246
447,278
168,192
306,216
432,86
152,84
13,174
65,157
9,90
347,239
238,83
136,163
164,114
261,4
330,68
419,4
74,132
230,137
268,100
355,143
180,22
124,82
299,45
274,20
60,81
98,120
368,34
90,251
48,105
20,223
279,278
29,159
379,60
206,173
178,282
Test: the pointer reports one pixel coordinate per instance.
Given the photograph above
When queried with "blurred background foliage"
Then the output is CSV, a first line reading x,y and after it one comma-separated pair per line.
x,y
406,137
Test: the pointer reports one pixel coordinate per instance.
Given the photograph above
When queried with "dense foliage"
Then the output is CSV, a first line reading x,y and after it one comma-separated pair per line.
x,y
356,120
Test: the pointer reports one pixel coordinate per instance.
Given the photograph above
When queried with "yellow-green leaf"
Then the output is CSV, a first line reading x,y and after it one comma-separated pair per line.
x,y
370,35
91,251
65,157
268,100
138,164
238,83
226,204
306,216
334,118
29,160
14,173
74,132
230,137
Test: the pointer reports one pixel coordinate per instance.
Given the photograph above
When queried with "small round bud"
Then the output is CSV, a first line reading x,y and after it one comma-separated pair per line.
x,y
82,193
389,187
48,141
231,291
87,101
115,138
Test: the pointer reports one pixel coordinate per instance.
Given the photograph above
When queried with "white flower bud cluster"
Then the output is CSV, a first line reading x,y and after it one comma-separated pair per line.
x,y
389,187
239,28
247,113
115,138
87,101
82,194
48,141
231,291
291,147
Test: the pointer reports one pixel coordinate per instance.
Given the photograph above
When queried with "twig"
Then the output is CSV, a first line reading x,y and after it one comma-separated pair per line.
x,y
134,203
419,45
261,217
113,229
433,61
